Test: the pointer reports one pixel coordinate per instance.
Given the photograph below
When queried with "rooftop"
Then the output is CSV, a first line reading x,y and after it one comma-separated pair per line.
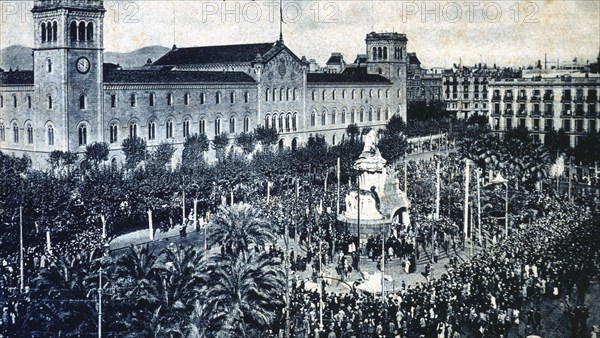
x,y
166,75
242,53
15,78
349,75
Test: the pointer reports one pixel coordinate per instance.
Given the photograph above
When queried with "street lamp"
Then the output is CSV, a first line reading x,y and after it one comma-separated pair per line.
x,y
500,180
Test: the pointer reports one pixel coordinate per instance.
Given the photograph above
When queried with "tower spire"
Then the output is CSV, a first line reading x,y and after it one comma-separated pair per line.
x,y
280,21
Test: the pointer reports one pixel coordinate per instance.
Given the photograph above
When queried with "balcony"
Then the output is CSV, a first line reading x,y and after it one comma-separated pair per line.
x,y
548,128
536,113
591,115
536,98
496,98
522,112
548,97
549,113
591,98
579,99
496,113
508,98
579,113
566,113
522,98
508,112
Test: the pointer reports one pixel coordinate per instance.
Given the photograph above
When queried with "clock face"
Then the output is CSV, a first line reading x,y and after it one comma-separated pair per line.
x,y
83,65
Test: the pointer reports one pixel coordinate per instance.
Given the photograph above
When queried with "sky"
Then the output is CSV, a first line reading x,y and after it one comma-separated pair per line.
x,y
503,32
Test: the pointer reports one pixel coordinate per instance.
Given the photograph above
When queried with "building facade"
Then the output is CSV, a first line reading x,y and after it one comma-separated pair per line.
x,y
72,98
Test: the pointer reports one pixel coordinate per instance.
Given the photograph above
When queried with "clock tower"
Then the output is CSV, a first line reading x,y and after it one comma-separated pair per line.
x,y
67,63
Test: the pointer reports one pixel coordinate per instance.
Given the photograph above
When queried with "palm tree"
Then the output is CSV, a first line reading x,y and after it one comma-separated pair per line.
x,y
239,227
244,294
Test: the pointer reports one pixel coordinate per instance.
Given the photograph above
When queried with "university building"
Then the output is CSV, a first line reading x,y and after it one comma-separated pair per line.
x,y
72,98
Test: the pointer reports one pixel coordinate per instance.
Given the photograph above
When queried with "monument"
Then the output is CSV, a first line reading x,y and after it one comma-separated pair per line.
x,y
378,202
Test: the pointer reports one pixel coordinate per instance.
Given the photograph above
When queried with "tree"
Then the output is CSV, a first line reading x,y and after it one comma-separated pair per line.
x,y
96,152
134,149
557,141
239,227
520,133
352,131
266,136
59,158
587,149
162,155
193,149
395,124
246,141
219,143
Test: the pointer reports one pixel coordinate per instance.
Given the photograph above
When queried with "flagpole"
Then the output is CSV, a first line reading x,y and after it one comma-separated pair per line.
x,y
21,265
466,205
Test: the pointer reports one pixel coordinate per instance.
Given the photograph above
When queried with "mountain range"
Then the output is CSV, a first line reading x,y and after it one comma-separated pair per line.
x,y
20,57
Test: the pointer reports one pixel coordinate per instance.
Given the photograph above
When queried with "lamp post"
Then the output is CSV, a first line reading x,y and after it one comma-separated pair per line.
x,y
500,180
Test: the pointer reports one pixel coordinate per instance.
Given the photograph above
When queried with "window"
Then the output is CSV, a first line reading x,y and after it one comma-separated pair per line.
x,y
202,98
82,102
1,101
232,97
49,31
312,118
217,126
287,122
218,98
387,94
133,130
113,100
15,103
352,113
169,99
370,93
267,94
43,28
90,31
333,117
385,53
15,133
133,101
287,94
295,94
246,124
50,135
186,128
113,131
202,126
378,93
274,122
81,31
73,31
323,95
378,114
82,135
2,133
273,94
54,31
246,97
362,94
323,117
370,114
313,94
232,125
169,129
567,125
49,102
151,130
281,122
295,122
362,115
186,99
353,94
387,113
267,119
333,95
29,134
344,116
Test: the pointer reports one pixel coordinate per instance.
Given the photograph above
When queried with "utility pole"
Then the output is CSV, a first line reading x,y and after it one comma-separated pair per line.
x,y
437,191
466,205
287,281
100,303
21,265
478,204
383,267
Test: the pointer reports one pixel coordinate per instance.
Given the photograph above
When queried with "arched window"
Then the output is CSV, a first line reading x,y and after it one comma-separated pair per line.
x,y
151,100
217,126
281,122
246,97
267,94
399,93
379,53
15,101
232,125
333,140
114,133
169,99
344,116
323,95
49,102
186,99
323,117
29,133
82,131
295,122
49,66
151,130
294,144
202,126
28,101
267,120
313,95
202,98
54,31
186,128
169,129
378,114
218,98
288,117
1,101
352,114
2,132
378,93
73,31
246,124
81,31
370,93
370,114
374,53
287,94
387,113
43,29
313,118
281,93
387,93
82,101
15,133
343,94
133,100
50,135
362,115
295,94
385,56
274,122
333,117
353,95
232,97
333,94
273,94
362,94
133,130
90,31
49,31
